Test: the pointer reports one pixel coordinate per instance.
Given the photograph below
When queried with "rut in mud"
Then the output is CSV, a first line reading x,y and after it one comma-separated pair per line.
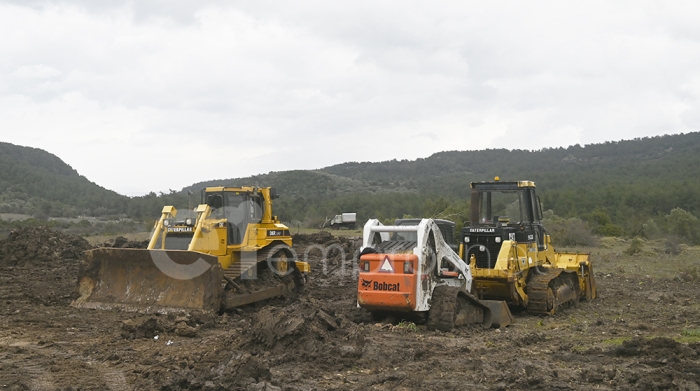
x,y
628,338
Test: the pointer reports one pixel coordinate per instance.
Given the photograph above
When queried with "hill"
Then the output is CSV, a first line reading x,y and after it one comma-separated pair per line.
x,y
633,161
628,187
622,184
35,182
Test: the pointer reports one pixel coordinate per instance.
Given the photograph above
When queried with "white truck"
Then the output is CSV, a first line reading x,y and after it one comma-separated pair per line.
x,y
348,220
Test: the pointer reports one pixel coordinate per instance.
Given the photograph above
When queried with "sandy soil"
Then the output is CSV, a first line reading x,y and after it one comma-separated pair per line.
x,y
642,333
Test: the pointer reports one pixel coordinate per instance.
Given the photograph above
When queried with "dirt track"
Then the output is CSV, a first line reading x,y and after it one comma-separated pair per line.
x,y
622,340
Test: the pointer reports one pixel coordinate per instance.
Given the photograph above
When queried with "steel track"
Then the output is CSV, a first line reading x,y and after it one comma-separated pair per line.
x,y
542,290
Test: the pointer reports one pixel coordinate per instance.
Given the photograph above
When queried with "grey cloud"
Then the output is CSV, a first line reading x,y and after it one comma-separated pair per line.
x,y
180,11
311,83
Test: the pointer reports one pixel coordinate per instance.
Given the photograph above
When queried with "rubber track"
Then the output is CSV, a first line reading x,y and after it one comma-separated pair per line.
x,y
537,289
441,315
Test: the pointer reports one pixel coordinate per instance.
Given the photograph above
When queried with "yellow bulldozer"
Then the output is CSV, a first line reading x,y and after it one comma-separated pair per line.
x,y
511,255
228,252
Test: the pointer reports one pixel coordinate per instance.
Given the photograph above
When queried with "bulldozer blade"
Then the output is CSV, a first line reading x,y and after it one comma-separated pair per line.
x,y
565,294
149,280
500,313
496,313
231,301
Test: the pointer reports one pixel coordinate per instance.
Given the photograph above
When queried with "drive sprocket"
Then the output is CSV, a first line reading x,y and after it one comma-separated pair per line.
x,y
549,291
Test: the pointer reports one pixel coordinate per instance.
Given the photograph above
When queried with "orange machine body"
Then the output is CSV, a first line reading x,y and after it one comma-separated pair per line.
x,y
388,282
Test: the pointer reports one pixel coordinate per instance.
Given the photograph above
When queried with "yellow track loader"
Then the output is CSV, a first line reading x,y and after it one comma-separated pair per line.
x,y
232,252
511,255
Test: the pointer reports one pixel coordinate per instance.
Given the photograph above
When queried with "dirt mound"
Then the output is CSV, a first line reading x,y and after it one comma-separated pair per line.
x,y
322,237
235,370
41,265
334,268
122,242
318,238
664,349
183,325
31,245
327,253
304,331
670,364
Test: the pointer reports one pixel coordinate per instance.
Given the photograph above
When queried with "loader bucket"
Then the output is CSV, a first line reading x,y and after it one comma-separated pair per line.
x,y
149,280
500,313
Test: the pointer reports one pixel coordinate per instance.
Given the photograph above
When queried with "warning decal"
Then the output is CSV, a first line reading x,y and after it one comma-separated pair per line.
x,y
386,266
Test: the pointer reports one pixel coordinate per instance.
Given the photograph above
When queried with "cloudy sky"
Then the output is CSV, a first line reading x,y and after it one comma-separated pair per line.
x,y
152,95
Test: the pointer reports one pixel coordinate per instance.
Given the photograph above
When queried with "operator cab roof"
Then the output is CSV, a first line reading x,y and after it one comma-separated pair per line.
x,y
416,221
498,185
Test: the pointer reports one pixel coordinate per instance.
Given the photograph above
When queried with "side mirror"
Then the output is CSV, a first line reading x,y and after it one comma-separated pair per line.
x,y
273,193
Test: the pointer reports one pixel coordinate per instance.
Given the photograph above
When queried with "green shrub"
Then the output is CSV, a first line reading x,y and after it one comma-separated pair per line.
x,y
683,224
635,247
689,274
651,230
609,230
672,245
569,232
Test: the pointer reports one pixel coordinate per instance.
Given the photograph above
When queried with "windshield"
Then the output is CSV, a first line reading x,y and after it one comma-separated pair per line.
x,y
500,206
238,208
408,236
235,208
405,236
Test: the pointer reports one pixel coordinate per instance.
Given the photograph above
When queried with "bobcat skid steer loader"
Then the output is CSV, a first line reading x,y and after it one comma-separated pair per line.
x,y
411,270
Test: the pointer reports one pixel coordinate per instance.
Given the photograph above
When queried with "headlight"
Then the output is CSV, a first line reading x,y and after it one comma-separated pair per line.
x,y
498,239
466,239
166,222
188,221
482,248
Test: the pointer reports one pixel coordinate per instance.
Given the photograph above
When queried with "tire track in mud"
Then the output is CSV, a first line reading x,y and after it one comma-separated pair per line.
x,y
31,375
115,379
40,378
37,377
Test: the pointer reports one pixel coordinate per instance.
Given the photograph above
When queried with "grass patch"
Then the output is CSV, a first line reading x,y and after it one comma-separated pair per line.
x,y
687,339
14,216
689,336
404,325
652,261
580,348
616,341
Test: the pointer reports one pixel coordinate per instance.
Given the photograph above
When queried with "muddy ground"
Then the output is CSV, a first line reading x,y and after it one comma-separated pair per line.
x,y
641,333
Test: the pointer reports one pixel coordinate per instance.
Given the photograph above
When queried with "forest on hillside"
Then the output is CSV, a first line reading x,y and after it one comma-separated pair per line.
x,y
35,182
640,187
643,187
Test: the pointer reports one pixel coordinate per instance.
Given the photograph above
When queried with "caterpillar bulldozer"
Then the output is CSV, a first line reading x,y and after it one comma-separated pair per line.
x,y
511,255
230,251
410,270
